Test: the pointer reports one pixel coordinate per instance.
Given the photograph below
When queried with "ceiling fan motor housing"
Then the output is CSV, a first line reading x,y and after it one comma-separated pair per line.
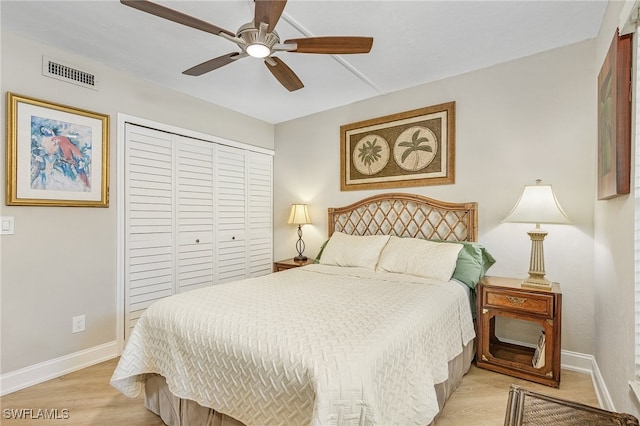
x,y
251,35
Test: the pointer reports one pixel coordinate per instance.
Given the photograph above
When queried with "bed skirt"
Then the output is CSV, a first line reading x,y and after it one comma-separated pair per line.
x,y
175,411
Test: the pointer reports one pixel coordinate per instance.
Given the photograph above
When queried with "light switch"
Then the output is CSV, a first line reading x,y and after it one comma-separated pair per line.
x,y
6,223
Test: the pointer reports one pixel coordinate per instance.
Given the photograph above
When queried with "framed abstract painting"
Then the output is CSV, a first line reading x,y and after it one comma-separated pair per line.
x,y
412,148
614,120
57,155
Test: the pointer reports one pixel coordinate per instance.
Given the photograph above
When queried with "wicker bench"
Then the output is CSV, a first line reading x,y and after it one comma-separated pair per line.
x,y
530,408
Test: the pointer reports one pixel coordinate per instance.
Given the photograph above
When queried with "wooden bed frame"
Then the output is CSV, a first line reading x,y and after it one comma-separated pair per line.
x,y
407,215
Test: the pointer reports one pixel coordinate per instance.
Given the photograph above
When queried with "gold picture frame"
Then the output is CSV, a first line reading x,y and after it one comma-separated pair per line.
x,y
412,148
57,155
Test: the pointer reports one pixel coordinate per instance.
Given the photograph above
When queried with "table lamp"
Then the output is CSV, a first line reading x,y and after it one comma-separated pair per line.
x,y
537,204
299,216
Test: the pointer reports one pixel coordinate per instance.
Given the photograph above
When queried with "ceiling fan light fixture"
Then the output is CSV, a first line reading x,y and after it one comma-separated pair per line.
x,y
258,50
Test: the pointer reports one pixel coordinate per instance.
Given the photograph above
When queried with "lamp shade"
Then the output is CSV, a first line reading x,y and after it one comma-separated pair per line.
x,y
537,204
299,214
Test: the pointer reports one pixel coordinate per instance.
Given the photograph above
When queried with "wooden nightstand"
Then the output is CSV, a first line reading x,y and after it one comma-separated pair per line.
x,y
290,263
503,297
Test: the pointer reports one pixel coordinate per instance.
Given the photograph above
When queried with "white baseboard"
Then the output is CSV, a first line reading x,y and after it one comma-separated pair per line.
x,y
576,361
587,364
47,370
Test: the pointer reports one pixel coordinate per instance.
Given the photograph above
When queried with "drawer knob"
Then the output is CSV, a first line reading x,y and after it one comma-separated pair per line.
x,y
197,241
516,301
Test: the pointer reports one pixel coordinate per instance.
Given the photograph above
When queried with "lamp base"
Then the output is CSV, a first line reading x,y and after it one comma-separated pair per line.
x,y
536,263
539,283
300,247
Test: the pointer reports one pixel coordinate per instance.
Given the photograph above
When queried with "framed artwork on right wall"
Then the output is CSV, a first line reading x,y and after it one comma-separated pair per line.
x,y
614,120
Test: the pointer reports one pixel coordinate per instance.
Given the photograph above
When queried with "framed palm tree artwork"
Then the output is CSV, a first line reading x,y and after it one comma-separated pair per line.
x,y
412,148
614,120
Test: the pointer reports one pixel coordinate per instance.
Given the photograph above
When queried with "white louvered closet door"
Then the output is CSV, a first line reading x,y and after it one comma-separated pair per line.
x,y
231,208
195,213
149,220
260,210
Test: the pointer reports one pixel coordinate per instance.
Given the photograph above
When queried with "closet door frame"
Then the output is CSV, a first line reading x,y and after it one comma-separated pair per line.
x,y
123,119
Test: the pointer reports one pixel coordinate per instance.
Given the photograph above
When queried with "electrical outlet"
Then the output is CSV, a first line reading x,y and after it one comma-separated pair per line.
x,y
77,324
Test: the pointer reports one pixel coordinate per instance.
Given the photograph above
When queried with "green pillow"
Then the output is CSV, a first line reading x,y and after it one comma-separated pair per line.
x,y
317,259
473,262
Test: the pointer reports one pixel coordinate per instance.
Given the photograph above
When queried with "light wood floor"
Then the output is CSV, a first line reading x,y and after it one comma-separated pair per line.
x,y
481,399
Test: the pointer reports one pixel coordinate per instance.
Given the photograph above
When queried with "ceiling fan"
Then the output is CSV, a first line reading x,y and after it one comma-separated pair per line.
x,y
259,39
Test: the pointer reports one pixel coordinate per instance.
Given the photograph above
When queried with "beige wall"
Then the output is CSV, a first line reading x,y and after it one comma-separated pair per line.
x,y
515,122
61,262
614,270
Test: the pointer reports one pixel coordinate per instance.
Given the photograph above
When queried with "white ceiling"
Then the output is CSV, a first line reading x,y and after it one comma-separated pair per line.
x,y
415,42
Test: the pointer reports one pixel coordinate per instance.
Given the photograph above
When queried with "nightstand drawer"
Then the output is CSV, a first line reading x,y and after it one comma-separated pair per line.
x,y
519,301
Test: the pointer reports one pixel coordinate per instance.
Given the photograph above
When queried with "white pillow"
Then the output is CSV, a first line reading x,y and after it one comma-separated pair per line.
x,y
423,258
353,250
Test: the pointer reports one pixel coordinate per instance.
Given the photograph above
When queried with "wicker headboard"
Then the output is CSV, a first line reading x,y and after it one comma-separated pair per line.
x,y
407,215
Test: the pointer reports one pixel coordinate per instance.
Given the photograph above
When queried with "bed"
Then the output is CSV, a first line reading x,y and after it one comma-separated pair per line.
x,y
367,336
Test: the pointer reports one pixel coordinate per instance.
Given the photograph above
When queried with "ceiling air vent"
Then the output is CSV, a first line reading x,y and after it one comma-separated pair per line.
x,y
71,74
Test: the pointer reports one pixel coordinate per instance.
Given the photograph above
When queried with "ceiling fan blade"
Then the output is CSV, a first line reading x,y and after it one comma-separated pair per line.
x,y
332,45
269,12
283,74
212,64
175,16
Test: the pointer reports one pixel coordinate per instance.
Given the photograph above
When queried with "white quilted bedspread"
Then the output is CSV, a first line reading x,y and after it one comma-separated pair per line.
x,y
319,345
